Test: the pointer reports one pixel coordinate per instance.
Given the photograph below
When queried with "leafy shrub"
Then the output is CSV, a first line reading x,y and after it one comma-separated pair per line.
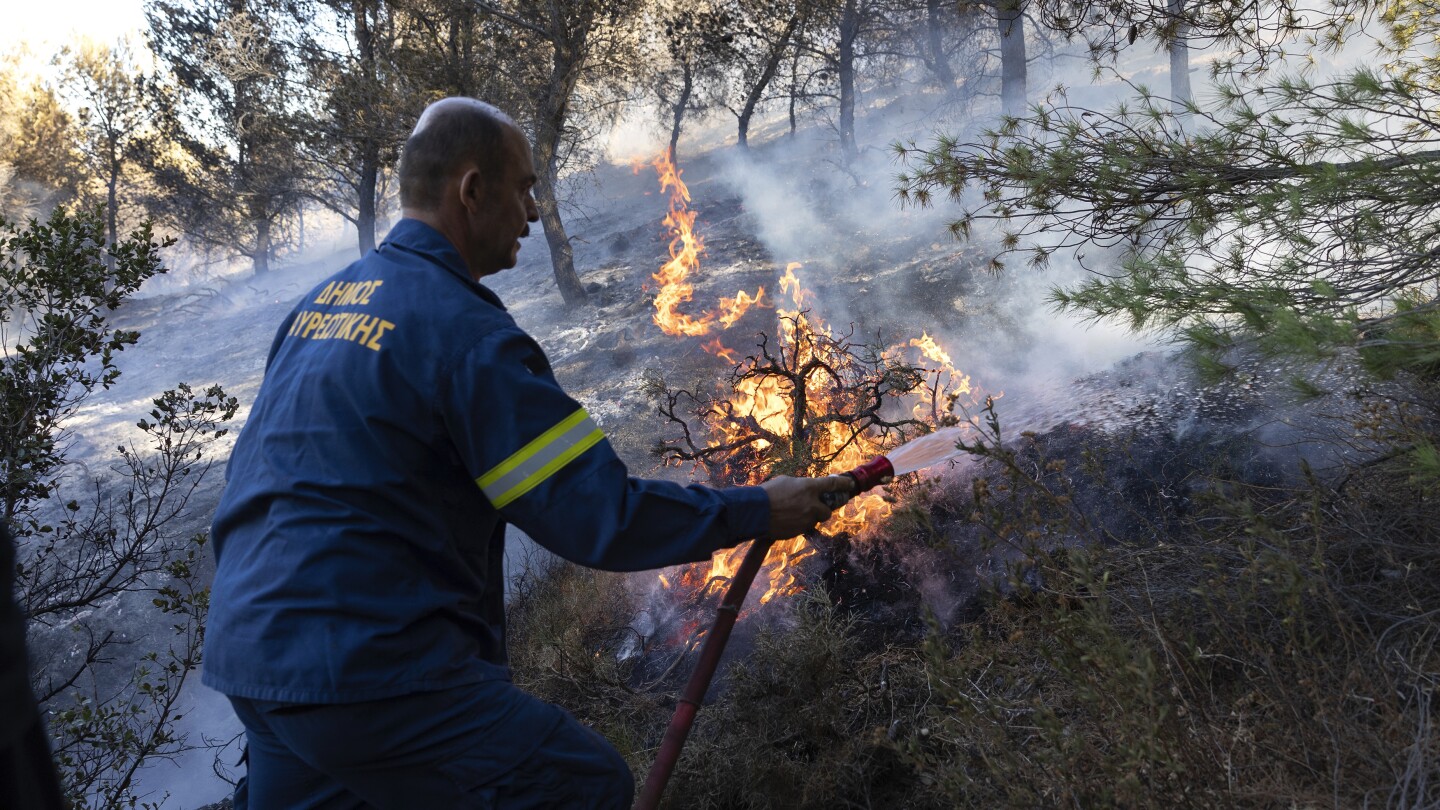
x,y
110,711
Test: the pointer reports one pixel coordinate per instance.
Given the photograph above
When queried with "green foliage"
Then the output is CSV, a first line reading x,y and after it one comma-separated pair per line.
x,y
113,127
108,715
56,291
230,171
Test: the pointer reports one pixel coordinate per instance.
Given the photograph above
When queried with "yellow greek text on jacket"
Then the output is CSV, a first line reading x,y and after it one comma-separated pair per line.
x,y
357,327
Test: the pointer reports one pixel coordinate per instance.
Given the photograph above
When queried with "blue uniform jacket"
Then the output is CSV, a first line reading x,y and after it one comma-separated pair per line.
x,y
404,420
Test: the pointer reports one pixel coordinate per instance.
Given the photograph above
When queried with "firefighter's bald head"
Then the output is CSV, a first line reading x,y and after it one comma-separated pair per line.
x,y
467,172
452,133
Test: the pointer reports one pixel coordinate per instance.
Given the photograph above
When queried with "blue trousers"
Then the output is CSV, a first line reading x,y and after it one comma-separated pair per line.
x,y
482,746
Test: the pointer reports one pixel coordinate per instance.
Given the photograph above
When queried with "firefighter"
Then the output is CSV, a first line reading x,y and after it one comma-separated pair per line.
x,y
357,617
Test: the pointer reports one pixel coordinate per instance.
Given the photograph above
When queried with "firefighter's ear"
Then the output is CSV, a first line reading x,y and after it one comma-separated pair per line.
x,y
472,189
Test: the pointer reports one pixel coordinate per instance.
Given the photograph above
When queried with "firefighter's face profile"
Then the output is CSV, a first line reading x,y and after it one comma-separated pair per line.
x,y
505,211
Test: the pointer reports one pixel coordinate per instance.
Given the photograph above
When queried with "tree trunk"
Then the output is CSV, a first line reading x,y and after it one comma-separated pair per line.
x,y
365,215
1011,17
457,79
1179,47
112,206
794,87
678,110
767,74
369,145
562,258
243,109
261,257
935,44
849,32
549,124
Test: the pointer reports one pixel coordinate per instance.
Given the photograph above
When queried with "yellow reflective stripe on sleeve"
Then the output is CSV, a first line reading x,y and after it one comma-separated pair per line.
x,y
560,460
520,456
528,467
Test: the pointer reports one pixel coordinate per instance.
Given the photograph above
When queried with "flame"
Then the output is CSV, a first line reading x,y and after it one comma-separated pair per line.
x,y
718,349
733,309
931,349
790,283
686,248
947,385
762,400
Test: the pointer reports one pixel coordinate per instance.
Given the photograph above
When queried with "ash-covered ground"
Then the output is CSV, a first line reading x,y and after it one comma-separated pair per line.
x,y
885,270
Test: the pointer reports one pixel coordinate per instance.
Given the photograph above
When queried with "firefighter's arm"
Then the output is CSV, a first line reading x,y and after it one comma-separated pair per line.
x,y
544,463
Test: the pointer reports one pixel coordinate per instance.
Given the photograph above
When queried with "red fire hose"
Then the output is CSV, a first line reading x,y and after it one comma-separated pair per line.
x,y
867,476
710,652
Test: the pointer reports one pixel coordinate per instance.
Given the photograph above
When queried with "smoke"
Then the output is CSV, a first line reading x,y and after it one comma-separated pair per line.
x,y
895,268
786,208
193,268
22,199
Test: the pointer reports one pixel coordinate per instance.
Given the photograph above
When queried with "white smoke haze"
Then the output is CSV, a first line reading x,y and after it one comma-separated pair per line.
x,y
808,210
200,269
635,137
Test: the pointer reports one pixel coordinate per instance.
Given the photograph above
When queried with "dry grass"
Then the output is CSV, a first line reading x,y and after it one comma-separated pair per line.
x,y
1275,649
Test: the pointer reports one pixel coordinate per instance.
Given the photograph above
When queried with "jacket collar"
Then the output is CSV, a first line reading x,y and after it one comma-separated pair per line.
x,y
416,238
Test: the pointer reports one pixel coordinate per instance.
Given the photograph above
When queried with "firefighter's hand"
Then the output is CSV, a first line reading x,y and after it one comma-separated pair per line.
x,y
795,505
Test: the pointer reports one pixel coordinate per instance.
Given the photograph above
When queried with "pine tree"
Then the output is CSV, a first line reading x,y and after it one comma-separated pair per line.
x,y
1297,217
234,174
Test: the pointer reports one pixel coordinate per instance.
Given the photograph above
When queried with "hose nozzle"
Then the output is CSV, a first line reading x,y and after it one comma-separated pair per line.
x,y
867,476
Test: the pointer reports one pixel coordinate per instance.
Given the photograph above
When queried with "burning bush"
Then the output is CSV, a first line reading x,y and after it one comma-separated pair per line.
x,y
808,405
808,402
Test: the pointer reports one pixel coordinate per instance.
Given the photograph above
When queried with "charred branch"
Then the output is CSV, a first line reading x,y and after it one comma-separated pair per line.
x,y
794,406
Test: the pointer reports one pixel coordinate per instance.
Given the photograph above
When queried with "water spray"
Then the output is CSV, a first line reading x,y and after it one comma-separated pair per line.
x,y
916,454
